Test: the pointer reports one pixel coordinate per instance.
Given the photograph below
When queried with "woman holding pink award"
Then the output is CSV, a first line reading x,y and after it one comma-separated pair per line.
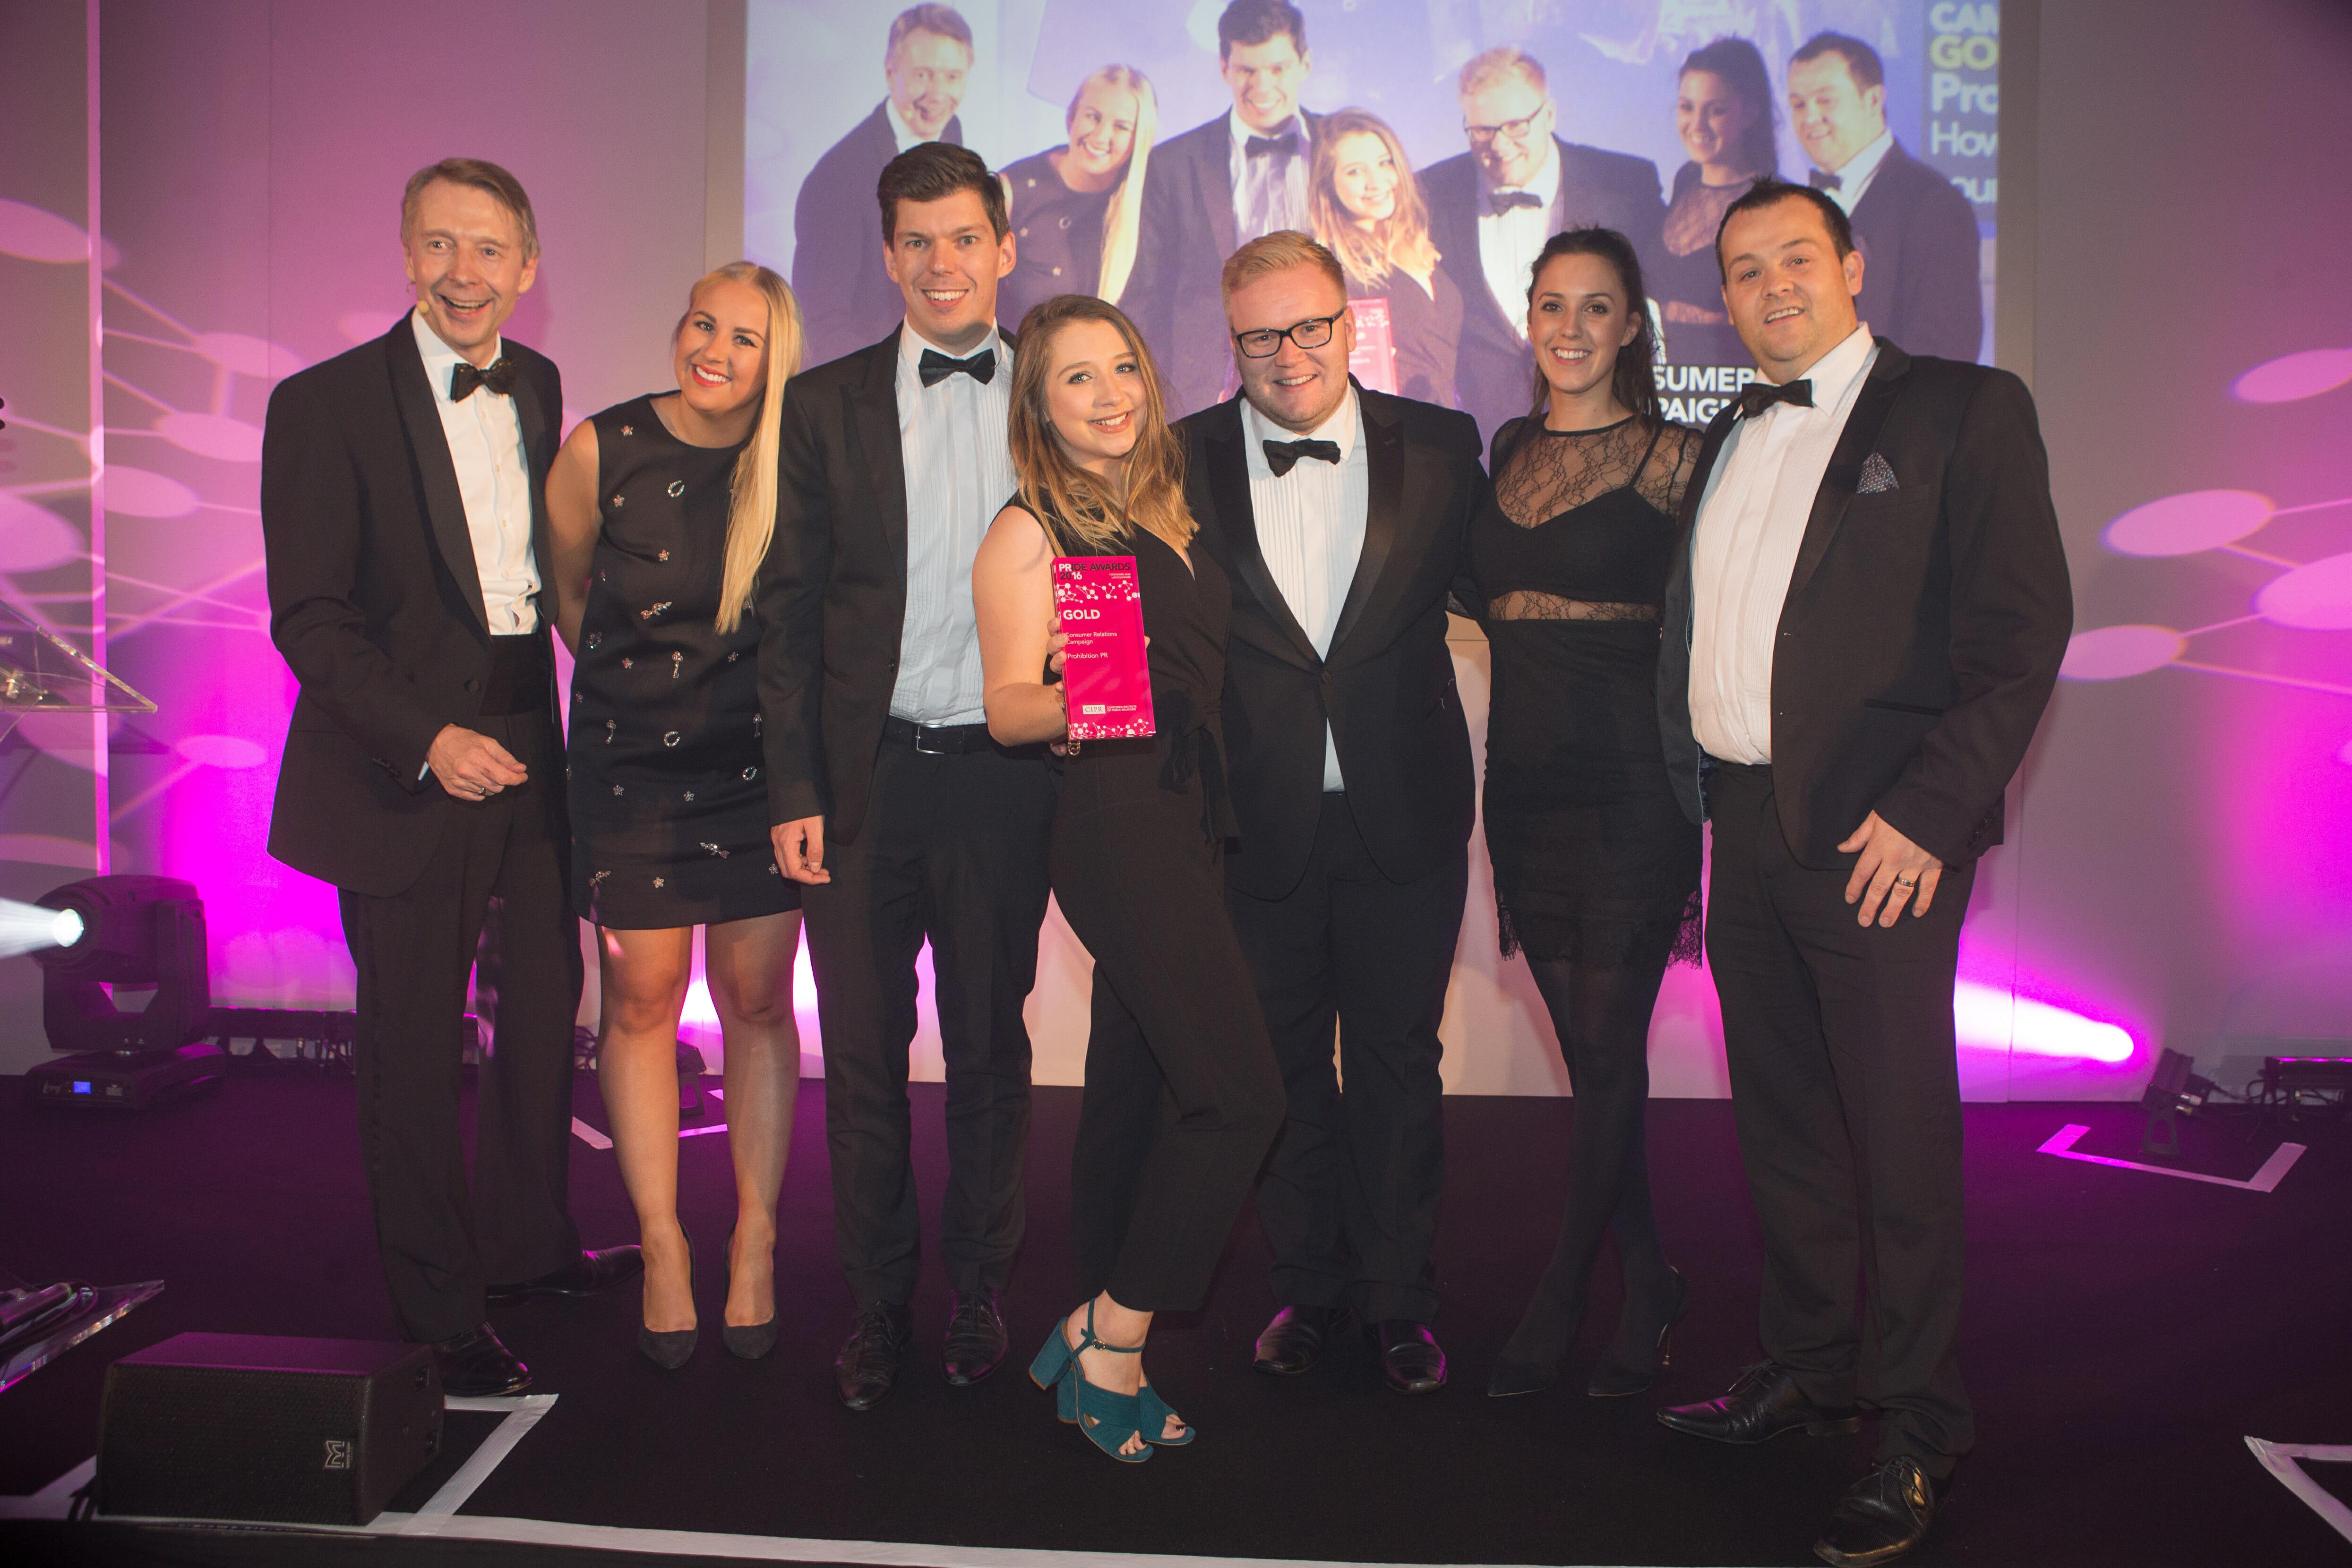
x,y
1182,1097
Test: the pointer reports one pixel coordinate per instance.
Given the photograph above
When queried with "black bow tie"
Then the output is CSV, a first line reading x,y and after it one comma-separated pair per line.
x,y
1504,200
1261,146
936,367
1823,179
1282,456
1758,396
500,378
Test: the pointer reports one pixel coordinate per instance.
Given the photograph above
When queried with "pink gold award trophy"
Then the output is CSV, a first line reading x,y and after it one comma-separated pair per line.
x,y
1105,681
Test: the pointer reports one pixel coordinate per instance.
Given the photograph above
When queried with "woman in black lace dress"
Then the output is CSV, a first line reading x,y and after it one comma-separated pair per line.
x,y
660,509
1596,869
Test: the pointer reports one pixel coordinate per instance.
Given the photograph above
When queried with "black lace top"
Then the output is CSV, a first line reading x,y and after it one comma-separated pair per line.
x,y
1594,861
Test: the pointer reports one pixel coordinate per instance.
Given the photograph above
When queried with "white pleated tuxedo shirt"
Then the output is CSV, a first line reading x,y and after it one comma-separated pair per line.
x,y
485,437
958,467
1310,527
1751,524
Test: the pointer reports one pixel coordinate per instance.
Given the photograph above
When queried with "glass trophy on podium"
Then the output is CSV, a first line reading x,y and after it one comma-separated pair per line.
x,y
40,672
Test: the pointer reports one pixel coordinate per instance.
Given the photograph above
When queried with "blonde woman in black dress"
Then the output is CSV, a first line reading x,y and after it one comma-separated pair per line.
x,y
1596,868
1182,1097
660,509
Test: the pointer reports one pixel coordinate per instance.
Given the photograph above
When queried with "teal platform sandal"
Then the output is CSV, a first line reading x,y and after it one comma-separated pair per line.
x,y
1107,1419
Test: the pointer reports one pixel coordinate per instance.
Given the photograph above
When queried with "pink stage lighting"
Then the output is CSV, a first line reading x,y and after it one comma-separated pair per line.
x,y
1993,1019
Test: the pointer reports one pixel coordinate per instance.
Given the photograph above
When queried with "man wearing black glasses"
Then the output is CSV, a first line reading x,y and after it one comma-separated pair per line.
x,y
1491,209
1339,514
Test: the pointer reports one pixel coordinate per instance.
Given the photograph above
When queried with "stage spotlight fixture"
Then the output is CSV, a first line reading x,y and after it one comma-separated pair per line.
x,y
131,933
2175,1091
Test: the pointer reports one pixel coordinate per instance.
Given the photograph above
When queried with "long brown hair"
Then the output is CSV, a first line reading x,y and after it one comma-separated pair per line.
x,y
1635,378
752,506
1401,239
1073,505
1123,216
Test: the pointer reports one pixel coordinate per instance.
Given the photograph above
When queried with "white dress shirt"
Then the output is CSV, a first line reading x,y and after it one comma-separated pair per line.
x,y
494,477
1262,203
959,475
1751,523
1508,242
1310,527
1859,171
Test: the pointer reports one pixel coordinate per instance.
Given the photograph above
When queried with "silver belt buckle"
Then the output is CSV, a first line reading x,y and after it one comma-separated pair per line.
x,y
922,730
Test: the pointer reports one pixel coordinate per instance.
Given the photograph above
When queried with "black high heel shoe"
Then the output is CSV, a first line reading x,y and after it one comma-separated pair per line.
x,y
669,1349
748,1341
1530,1359
1616,1379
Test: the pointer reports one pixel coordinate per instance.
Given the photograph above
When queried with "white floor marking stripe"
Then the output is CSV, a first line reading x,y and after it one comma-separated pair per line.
x,y
589,1135
53,1500
2279,1459
522,1414
2281,1160
698,1132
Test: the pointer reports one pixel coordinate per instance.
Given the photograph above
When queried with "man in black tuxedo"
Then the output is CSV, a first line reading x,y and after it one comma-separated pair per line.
x,y
423,768
1859,642
1218,186
1914,227
906,821
847,299
1341,515
1491,209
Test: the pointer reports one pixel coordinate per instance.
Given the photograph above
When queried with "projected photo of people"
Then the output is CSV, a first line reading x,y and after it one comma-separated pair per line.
x,y
1076,208
1368,209
1724,114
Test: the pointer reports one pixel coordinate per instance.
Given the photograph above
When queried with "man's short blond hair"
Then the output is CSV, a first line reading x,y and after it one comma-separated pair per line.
x,y
1497,64
1279,251
476,174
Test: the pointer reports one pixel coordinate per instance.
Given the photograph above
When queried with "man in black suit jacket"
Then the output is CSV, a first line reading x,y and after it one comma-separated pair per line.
x,y
906,821
1342,515
1219,185
1859,642
422,774
847,299
1491,209
1914,227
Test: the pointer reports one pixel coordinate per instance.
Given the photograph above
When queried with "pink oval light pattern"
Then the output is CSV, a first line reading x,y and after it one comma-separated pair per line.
x,y
220,751
34,538
246,354
212,435
37,234
2191,521
2117,653
2312,598
2293,376
142,493
2345,755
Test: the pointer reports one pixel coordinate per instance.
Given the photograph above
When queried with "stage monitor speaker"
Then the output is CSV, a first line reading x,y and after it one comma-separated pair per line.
x,y
291,1431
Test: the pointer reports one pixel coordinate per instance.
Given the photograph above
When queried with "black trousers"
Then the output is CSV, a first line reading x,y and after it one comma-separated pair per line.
x,y
1349,1197
503,861
1845,1085
1183,1095
953,851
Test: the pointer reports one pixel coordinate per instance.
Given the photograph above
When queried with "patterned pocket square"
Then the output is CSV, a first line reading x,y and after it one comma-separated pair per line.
x,y
1877,476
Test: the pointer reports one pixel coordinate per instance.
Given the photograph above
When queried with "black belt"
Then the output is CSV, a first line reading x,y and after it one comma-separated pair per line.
x,y
523,675
937,739
1762,770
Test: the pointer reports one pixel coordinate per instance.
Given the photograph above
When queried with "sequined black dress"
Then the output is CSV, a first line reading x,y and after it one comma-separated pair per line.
x,y
670,813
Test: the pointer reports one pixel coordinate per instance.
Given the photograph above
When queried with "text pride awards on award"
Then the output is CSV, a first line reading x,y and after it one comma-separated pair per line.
x,y
1106,677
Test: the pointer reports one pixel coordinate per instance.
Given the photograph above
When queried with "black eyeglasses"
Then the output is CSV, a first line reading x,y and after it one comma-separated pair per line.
x,y
1311,333
1511,130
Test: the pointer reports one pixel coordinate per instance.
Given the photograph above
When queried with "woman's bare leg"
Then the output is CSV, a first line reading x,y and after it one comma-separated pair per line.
x,y
748,964
644,976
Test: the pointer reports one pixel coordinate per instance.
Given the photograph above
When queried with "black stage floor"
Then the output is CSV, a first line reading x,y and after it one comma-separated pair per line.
x,y
2125,1333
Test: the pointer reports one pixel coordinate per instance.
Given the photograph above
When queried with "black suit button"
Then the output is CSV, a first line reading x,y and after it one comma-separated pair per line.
x,y
472,685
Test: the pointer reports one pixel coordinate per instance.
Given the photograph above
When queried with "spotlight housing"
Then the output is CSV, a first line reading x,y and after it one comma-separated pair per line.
x,y
133,933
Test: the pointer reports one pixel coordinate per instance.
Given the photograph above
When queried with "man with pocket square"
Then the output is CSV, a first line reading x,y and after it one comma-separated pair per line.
x,y
1861,636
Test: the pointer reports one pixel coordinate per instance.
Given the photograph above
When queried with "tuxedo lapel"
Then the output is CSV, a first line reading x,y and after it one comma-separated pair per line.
x,y
445,504
1384,464
870,416
538,451
1212,179
1229,490
1855,443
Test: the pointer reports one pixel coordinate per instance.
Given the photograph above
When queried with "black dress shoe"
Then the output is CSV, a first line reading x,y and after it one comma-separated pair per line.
x,y
1764,1402
670,1349
1880,1516
1617,1375
868,1363
585,1276
474,1365
1411,1361
975,1335
1294,1340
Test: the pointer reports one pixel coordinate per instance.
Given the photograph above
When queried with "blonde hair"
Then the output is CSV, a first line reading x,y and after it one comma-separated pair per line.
x,y
1279,252
752,504
1123,218
1071,504
1505,60
1401,239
